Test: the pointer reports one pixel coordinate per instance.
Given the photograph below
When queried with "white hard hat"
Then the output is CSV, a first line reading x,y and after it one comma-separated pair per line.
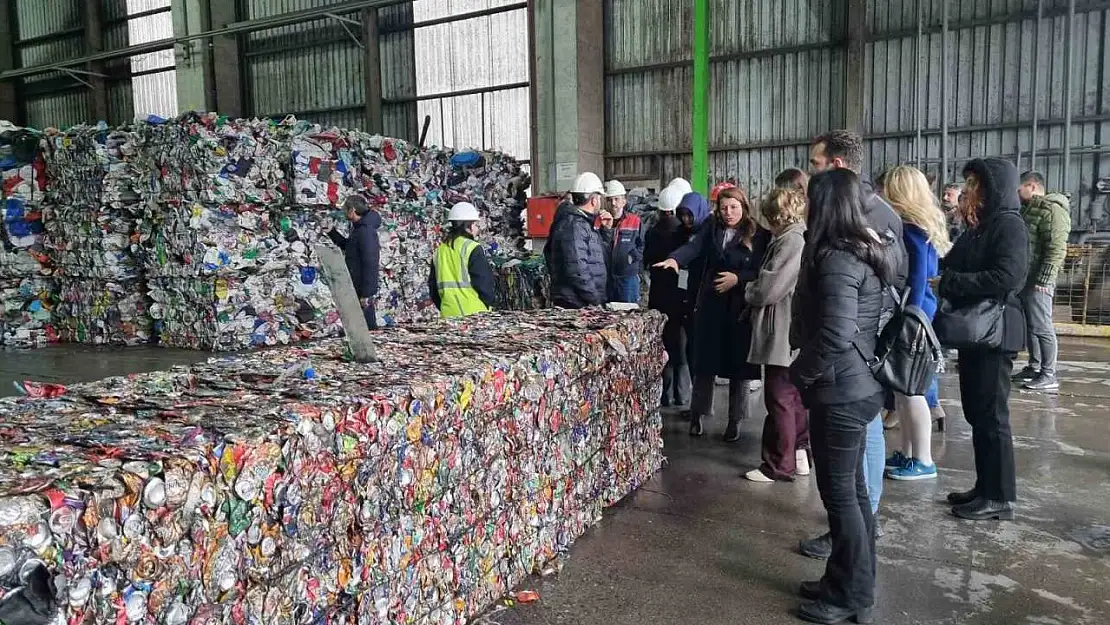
x,y
614,188
463,211
682,184
670,198
587,184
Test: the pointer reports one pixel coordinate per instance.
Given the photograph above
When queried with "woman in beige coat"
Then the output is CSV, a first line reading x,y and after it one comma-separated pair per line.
x,y
786,429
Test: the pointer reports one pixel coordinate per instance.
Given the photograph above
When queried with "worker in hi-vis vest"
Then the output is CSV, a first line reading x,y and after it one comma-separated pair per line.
x,y
461,280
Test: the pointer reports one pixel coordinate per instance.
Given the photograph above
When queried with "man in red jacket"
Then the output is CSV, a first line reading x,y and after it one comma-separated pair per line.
x,y
621,233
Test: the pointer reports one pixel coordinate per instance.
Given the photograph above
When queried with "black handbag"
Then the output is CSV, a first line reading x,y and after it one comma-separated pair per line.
x,y
906,351
975,326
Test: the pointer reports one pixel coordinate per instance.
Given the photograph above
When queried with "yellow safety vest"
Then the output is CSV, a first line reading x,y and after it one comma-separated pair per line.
x,y
457,298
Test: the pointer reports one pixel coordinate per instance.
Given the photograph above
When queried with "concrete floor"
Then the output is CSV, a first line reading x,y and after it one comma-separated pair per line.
x,y
698,544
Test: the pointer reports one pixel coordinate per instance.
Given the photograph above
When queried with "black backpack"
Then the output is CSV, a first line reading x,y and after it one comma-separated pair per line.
x,y
907,350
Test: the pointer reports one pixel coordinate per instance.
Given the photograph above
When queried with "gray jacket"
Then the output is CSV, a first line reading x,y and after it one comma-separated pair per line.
x,y
770,297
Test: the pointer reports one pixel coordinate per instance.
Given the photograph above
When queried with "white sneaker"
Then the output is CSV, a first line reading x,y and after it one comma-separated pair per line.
x,y
801,461
755,385
755,475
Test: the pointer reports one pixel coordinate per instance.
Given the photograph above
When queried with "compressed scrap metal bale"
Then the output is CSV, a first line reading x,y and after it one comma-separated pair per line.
x,y
292,486
27,297
92,216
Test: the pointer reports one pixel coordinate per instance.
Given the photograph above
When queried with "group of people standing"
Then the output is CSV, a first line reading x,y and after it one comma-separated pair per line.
x,y
795,290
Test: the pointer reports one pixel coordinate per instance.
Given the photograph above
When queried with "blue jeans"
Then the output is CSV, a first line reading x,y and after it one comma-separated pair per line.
x,y
625,290
932,395
874,461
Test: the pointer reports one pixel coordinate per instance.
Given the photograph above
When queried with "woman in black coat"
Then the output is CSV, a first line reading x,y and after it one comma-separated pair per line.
x,y
989,262
835,321
722,329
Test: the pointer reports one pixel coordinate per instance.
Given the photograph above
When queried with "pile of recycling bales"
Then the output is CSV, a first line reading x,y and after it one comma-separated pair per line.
x,y
293,486
27,293
92,215
199,231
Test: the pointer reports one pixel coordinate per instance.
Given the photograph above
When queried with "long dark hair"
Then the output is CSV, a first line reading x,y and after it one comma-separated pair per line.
x,y
836,221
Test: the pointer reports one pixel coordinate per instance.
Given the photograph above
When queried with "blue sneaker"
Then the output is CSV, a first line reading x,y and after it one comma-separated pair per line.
x,y
897,461
914,470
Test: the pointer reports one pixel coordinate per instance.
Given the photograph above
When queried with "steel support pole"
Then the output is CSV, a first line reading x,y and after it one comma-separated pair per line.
x,y
918,83
700,177
94,42
227,55
1069,81
856,19
372,70
944,51
9,89
1036,85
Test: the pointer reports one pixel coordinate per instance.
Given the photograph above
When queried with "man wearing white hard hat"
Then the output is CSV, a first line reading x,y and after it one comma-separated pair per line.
x,y
461,280
575,253
681,184
621,233
668,295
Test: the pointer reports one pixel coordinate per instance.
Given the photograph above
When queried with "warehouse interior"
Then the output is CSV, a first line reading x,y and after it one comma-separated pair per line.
x,y
612,514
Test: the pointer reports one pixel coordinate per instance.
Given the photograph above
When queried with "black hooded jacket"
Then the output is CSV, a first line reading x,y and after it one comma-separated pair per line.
x,y
362,251
991,260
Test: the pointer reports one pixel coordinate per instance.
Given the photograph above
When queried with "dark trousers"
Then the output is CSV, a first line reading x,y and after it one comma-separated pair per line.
x,y
786,428
371,315
676,375
985,394
702,402
839,433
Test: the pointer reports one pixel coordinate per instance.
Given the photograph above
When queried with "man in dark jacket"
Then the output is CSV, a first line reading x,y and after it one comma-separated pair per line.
x,y
575,253
665,295
842,149
626,246
362,251
989,263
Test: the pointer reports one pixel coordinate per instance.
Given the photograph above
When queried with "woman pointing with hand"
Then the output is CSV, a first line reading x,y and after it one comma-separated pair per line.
x,y
721,327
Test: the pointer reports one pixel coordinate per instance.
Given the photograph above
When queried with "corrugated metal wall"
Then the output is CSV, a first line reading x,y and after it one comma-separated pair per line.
x,y
53,30
778,72
448,59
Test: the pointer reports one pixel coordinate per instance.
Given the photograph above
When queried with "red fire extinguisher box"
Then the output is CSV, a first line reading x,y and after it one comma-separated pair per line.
x,y
541,213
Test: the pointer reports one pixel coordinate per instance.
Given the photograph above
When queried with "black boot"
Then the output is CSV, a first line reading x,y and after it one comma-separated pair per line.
x,y
732,431
810,590
819,548
828,614
696,428
985,510
962,497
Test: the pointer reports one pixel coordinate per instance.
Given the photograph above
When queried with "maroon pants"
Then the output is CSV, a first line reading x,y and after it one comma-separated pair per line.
x,y
786,428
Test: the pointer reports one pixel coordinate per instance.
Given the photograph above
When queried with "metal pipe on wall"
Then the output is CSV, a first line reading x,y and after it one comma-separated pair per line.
x,y
918,83
1036,84
1069,81
944,94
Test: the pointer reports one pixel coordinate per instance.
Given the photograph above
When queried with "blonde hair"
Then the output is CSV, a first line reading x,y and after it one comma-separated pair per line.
x,y
783,207
908,191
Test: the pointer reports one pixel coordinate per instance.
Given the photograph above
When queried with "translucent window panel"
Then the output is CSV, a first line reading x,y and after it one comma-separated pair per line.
x,y
456,121
474,53
147,29
508,122
155,94
139,6
426,10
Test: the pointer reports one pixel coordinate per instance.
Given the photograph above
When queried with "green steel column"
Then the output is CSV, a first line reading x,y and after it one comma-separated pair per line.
x,y
700,178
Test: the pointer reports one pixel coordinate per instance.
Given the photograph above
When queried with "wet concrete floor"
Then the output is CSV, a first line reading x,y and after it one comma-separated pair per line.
x,y
700,545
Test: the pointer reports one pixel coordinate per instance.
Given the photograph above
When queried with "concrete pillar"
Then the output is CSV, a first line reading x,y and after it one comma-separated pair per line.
x,y
228,66
194,67
569,83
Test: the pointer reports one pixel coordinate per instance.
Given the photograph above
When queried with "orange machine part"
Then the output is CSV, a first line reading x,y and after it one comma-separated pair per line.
x,y
541,213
